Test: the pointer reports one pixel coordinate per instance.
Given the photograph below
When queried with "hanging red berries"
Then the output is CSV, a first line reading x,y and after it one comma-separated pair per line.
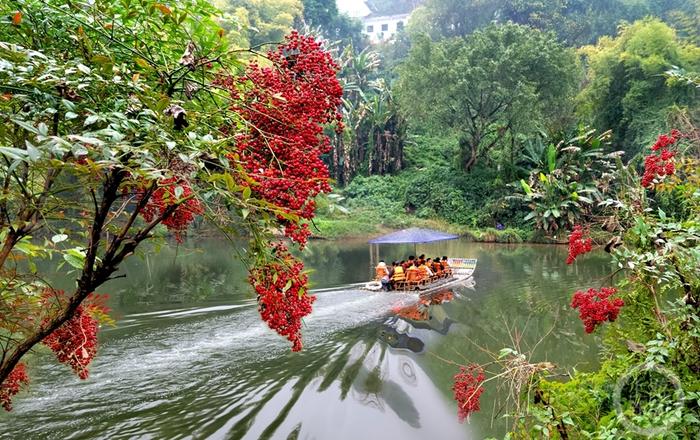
x,y
169,192
282,288
656,166
467,390
286,109
12,385
577,244
595,307
75,342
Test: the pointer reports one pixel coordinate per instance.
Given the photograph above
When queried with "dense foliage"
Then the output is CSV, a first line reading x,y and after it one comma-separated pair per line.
x,y
575,22
628,92
648,382
501,83
121,119
508,122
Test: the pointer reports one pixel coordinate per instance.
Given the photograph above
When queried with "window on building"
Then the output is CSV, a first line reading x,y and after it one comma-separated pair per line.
x,y
385,27
370,29
399,25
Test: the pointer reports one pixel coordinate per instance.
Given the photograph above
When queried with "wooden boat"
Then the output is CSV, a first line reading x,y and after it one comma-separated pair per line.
x,y
462,273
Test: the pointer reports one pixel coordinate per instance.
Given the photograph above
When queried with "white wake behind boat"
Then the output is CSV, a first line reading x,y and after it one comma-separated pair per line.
x,y
462,273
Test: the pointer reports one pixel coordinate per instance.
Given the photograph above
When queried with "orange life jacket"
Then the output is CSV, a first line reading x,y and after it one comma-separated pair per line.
x,y
380,272
413,274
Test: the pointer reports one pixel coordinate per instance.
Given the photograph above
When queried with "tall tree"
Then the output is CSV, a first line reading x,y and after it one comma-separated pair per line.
x,y
116,118
375,132
575,22
627,90
266,21
324,14
501,82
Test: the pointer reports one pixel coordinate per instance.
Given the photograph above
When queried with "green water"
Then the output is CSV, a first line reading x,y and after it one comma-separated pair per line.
x,y
190,358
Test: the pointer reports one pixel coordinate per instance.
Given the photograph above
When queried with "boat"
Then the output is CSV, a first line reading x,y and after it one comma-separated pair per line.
x,y
462,273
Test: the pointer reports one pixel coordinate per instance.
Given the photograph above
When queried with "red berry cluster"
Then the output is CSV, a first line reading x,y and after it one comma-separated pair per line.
x,y
11,386
285,107
282,300
596,307
467,390
75,342
659,165
577,244
165,196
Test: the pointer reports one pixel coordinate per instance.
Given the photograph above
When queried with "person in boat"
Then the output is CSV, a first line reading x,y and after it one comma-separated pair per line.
x,y
446,265
413,273
399,275
425,271
421,260
437,266
408,263
382,274
392,269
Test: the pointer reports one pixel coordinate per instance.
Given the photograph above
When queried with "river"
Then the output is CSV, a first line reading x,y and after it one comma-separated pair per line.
x,y
190,358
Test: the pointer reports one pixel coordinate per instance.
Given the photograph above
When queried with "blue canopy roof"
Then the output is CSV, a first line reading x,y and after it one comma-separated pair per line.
x,y
413,235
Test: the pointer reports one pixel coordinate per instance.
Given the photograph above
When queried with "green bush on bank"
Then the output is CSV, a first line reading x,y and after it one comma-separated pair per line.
x,y
475,199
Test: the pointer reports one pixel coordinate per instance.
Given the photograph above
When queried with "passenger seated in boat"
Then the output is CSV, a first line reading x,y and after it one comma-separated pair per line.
x,y
380,271
399,276
412,271
407,264
446,266
429,266
425,271
414,277
437,267
392,269
383,275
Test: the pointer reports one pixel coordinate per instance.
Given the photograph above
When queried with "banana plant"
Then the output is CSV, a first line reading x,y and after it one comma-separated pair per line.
x,y
568,180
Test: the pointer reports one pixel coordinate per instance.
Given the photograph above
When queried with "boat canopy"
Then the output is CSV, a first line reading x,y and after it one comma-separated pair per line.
x,y
413,235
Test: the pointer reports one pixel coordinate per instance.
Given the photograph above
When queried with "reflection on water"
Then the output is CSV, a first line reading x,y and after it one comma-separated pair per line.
x,y
190,357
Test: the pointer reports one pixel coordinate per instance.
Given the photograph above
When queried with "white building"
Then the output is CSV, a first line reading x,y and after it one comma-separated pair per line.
x,y
376,26
382,28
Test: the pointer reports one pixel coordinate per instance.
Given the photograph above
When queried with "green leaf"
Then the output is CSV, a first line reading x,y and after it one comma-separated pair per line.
x,y
59,238
246,193
90,120
33,153
75,257
26,126
287,286
551,158
14,153
43,129
83,68
86,139
142,63
526,187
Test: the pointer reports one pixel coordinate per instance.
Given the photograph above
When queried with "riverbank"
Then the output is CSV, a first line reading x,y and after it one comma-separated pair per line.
x,y
366,223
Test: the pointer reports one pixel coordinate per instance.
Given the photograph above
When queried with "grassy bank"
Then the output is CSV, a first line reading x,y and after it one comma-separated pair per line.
x,y
363,223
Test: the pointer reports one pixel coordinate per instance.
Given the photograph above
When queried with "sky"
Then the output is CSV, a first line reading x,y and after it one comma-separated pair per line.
x,y
354,8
